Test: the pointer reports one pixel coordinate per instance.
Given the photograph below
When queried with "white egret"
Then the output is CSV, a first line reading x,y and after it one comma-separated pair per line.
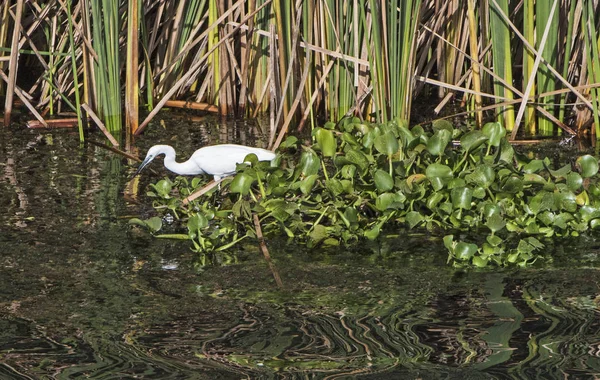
x,y
216,160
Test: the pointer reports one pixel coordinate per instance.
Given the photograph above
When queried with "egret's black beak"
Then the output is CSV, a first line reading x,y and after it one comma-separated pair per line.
x,y
146,161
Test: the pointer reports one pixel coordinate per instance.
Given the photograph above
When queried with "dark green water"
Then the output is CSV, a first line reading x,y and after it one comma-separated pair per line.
x,y
83,295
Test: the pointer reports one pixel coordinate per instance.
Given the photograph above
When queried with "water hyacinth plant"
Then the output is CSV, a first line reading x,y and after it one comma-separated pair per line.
x,y
363,179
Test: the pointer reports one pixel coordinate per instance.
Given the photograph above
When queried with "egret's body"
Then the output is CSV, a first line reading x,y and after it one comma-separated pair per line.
x,y
216,160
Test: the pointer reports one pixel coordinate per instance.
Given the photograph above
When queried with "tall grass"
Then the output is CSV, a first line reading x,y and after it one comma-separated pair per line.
x,y
309,61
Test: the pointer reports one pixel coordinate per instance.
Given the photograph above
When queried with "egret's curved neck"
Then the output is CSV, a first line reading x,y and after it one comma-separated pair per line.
x,y
170,162
186,168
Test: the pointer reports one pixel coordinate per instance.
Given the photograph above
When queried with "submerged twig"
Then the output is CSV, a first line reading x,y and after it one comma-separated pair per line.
x,y
265,251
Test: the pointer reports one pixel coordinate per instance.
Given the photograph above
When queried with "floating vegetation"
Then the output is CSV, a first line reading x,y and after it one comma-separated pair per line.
x,y
494,206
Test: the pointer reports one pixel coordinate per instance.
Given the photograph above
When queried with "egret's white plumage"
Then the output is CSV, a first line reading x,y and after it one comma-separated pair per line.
x,y
216,160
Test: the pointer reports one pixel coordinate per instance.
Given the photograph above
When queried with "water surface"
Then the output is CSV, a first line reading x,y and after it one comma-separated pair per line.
x,y
85,295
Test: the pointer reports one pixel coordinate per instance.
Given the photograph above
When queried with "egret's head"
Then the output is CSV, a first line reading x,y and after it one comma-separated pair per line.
x,y
156,150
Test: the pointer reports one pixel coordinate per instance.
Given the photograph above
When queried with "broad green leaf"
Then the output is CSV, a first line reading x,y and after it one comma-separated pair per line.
x,y
512,185
154,223
464,251
409,140
533,166
289,142
373,233
163,187
439,175
574,181
588,213
434,200
566,201
383,180
536,179
495,223
415,179
588,165
442,124
561,173
494,132
507,152
334,186
351,214
318,234
358,158
241,183
438,142
308,183
414,218
389,201
241,209
483,176
491,209
386,143
348,171
309,163
480,262
195,223
472,140
461,197
326,141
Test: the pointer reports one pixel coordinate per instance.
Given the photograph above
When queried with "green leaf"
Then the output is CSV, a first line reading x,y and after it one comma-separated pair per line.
x,y
241,183
439,175
154,223
464,251
195,223
308,183
533,166
348,171
309,163
472,140
351,215
442,124
163,187
318,234
495,223
483,175
574,181
438,142
461,197
289,142
386,144
480,262
414,218
334,186
383,181
389,201
326,141
373,233
494,132
512,185
588,165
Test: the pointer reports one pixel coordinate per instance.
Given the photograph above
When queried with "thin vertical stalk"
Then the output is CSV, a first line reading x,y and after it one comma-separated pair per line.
x,y
74,71
591,44
528,61
131,76
567,55
475,62
13,64
3,35
546,81
502,60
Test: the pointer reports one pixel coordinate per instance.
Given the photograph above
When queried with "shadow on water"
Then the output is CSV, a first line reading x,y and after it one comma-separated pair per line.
x,y
82,295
